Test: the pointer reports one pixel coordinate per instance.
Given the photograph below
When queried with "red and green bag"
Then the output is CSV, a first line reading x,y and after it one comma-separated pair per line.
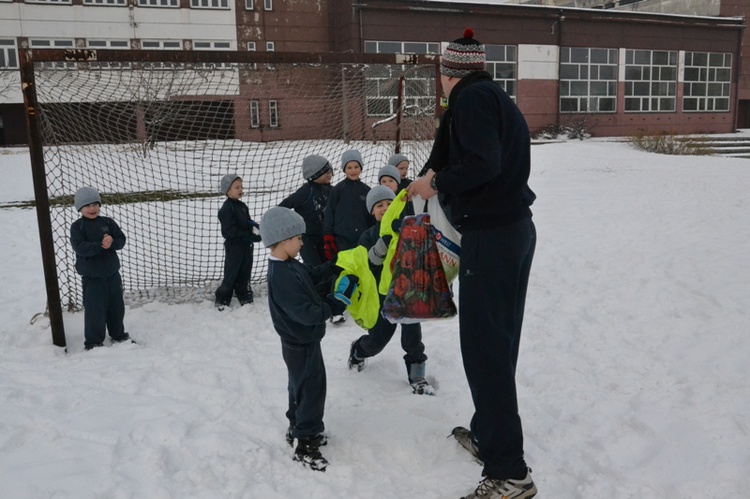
x,y
419,289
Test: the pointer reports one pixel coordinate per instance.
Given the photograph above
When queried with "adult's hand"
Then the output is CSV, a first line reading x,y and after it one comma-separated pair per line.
x,y
421,186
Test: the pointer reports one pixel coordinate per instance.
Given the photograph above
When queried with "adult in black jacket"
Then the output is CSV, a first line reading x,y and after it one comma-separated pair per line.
x,y
480,165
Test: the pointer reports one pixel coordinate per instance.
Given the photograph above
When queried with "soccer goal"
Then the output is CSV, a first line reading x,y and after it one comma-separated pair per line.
x,y
154,131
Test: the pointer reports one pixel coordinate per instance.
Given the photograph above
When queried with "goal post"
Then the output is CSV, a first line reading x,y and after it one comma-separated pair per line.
x,y
154,131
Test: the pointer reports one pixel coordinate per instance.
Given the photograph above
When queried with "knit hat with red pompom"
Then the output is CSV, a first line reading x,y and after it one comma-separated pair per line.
x,y
463,56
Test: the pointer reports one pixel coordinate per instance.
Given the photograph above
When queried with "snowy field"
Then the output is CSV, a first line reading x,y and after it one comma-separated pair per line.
x,y
633,372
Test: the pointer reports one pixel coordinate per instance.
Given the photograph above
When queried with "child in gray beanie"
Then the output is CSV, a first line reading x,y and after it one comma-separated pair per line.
x,y
96,240
240,232
310,202
401,161
299,316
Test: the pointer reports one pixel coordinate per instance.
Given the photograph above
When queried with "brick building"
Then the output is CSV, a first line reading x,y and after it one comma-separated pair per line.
x,y
617,71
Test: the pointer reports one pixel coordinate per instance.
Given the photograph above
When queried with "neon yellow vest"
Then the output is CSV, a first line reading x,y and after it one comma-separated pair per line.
x,y
392,213
365,305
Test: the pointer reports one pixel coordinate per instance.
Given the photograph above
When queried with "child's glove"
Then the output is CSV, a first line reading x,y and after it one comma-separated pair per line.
x,y
254,226
377,253
329,246
337,307
345,289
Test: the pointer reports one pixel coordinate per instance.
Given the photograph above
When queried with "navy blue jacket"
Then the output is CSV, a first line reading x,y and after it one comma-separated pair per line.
x,y
310,202
298,313
86,238
346,214
489,157
234,216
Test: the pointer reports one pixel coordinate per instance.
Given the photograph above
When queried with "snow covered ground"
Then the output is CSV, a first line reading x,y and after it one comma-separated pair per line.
x,y
633,373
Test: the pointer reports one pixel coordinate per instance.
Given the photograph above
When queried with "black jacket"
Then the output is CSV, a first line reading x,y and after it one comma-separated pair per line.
x,y
234,216
489,156
86,238
346,214
298,313
310,202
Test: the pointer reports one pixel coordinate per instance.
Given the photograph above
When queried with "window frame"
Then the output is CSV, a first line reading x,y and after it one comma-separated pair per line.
x,y
273,113
8,46
158,4
707,79
660,91
254,110
588,65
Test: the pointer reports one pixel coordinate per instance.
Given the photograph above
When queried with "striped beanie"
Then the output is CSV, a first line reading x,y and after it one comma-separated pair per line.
x,y
463,56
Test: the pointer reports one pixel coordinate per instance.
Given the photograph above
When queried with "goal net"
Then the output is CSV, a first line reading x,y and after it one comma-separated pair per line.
x,y
154,131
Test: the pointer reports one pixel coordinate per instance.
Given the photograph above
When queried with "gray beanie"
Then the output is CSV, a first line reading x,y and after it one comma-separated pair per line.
x,y
84,196
226,182
314,167
351,155
279,224
377,194
397,158
390,171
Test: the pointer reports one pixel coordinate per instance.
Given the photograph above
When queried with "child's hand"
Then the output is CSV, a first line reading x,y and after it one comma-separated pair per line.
x,y
377,253
347,286
106,241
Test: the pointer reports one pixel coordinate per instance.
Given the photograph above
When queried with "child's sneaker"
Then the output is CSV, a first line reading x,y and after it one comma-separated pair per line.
x,y
355,362
338,319
308,453
248,300
123,339
422,387
220,306
290,436
463,437
489,488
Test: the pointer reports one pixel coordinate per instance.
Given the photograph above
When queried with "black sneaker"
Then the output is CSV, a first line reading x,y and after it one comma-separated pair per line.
x,y
308,453
220,306
338,319
354,362
92,346
290,436
463,437
246,301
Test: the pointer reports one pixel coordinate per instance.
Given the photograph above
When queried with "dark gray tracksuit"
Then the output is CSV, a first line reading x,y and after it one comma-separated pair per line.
x,y
310,202
236,227
299,316
104,307
485,183
346,216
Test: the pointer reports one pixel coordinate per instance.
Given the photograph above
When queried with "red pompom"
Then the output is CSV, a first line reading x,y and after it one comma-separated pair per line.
x,y
468,33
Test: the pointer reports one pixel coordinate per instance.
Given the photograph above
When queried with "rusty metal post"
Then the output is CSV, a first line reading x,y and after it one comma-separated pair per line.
x,y
41,198
399,112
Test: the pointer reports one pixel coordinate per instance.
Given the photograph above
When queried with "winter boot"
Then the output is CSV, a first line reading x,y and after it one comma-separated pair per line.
x,y
354,361
463,436
417,380
338,319
308,453
512,488
290,436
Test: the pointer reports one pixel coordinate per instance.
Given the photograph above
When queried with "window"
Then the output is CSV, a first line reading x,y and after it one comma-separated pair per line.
x,y
251,48
51,2
209,4
382,81
501,64
204,45
108,44
44,43
161,45
273,114
249,5
8,54
707,81
650,80
106,2
254,114
158,3
588,80
270,47
268,4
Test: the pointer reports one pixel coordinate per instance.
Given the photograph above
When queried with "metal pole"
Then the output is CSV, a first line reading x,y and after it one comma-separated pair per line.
x,y
399,113
42,198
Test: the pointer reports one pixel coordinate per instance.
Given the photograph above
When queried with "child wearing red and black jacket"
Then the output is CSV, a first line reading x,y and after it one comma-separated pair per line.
x,y
96,240
240,232
346,216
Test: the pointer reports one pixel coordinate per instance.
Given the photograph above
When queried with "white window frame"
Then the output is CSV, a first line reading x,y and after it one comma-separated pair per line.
x,y
98,43
209,4
267,4
54,43
707,82
650,81
419,90
249,5
161,44
252,47
106,3
9,51
51,2
270,47
502,64
273,113
170,4
212,45
588,80
254,108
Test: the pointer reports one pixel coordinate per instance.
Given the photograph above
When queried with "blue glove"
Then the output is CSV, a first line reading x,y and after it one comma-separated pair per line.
x,y
345,289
